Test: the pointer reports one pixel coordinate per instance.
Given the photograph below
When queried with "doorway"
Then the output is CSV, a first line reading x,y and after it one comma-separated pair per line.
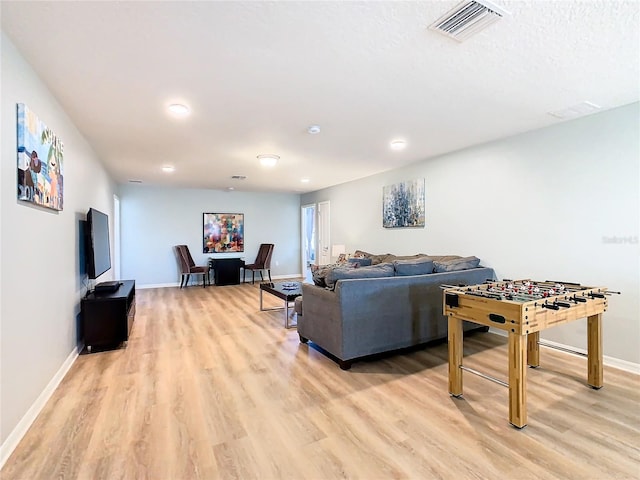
x,y
324,237
308,235
314,236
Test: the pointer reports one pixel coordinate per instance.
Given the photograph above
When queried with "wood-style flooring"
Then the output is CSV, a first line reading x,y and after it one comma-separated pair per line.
x,y
210,387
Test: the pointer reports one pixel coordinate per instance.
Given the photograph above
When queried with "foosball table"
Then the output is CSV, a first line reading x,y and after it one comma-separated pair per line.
x,y
523,308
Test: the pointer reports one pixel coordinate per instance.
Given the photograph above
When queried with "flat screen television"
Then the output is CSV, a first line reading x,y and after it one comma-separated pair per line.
x,y
97,243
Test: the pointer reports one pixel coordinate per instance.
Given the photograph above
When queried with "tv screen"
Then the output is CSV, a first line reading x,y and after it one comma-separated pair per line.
x,y
98,254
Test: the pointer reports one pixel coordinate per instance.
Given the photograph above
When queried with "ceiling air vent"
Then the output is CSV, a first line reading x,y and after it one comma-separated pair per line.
x,y
575,111
467,19
239,177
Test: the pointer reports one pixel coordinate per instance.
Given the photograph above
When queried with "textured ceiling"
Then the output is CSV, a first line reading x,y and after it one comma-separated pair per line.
x,y
257,74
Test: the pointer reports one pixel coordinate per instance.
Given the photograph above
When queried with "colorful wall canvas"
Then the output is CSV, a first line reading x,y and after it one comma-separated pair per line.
x,y
40,161
223,232
403,204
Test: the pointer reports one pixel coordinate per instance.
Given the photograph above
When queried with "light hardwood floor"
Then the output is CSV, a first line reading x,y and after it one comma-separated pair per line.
x,y
210,387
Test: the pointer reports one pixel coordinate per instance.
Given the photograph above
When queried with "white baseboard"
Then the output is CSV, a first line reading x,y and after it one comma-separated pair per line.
x,y
608,361
158,285
12,441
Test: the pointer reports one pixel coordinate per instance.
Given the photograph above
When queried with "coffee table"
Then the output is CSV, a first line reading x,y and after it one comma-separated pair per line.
x,y
287,291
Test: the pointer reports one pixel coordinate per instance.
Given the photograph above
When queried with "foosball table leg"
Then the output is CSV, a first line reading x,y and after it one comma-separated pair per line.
x,y
594,351
533,349
517,380
455,356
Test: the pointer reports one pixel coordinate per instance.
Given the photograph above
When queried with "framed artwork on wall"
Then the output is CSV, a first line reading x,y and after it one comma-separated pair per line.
x,y
223,232
40,161
403,204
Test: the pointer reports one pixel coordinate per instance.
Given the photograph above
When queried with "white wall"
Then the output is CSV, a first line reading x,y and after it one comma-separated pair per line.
x,y
41,279
154,219
541,205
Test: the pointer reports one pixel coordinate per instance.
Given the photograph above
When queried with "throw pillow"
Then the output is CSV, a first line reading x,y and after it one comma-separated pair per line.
x,y
318,274
444,258
360,262
464,263
382,258
373,271
419,266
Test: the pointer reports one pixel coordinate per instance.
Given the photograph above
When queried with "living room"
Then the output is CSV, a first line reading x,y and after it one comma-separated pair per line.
x,y
559,202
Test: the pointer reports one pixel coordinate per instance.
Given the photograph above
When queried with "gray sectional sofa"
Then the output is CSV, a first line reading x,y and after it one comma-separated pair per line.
x,y
357,317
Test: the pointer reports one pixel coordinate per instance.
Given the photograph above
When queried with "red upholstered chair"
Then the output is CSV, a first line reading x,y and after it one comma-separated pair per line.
x,y
187,266
263,262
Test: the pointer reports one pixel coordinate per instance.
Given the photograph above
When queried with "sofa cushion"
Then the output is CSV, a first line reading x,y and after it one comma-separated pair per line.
x,y
373,271
360,262
418,266
464,263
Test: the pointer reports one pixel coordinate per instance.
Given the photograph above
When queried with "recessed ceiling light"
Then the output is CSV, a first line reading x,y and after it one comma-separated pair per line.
x,y
168,169
304,180
398,144
230,189
268,159
314,129
179,109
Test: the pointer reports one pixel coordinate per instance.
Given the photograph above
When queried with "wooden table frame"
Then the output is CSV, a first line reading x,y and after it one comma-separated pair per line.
x,y
523,322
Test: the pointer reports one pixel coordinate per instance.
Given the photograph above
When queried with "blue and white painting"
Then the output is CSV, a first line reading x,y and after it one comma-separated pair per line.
x,y
403,204
40,161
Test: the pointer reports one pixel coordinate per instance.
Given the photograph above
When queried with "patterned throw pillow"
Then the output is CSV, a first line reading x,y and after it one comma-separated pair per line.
x,y
343,272
464,263
319,272
360,262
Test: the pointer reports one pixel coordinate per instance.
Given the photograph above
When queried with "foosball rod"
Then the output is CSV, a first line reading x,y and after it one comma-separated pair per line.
x,y
542,287
484,375
521,296
517,291
563,349
518,296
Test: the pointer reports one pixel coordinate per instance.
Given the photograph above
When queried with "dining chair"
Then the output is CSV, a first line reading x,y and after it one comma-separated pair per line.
x,y
187,266
262,262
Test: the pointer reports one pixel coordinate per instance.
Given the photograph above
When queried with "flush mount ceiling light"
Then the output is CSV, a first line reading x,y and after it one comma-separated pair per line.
x,y
179,110
304,180
268,159
398,144
313,129
168,169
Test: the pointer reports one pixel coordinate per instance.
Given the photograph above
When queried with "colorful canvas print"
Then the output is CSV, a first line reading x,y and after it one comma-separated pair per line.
x,y
403,204
40,161
223,232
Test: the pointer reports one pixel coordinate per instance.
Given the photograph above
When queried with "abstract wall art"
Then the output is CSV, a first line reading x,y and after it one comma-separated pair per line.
x,y
40,161
223,232
403,204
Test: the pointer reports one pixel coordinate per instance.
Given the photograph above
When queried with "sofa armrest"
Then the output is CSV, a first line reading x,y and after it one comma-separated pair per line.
x,y
321,321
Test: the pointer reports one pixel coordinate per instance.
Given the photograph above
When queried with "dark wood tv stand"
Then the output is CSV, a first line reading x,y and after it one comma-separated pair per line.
x,y
107,317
